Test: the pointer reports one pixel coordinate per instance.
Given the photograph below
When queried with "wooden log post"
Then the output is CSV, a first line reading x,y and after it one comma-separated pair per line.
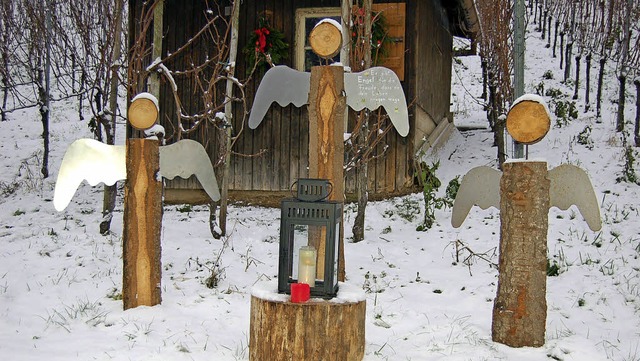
x,y
520,307
315,330
327,106
142,224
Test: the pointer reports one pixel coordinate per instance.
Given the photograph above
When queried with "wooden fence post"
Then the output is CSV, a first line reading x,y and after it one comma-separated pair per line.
x,y
327,105
520,307
142,224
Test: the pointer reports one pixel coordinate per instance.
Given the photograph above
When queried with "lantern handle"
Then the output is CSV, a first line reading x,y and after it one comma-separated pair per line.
x,y
330,191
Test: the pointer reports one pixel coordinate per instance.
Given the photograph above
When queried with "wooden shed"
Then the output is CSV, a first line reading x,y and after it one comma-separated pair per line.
x,y
265,162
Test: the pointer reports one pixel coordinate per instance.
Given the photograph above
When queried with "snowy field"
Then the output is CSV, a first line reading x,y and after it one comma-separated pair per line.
x,y
61,281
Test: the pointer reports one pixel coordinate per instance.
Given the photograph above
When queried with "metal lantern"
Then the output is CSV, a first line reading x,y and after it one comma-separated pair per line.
x,y
309,222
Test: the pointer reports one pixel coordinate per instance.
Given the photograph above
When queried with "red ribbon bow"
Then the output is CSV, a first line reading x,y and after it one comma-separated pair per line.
x,y
261,44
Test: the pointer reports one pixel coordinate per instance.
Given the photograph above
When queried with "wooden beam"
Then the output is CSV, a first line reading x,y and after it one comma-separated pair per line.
x,y
142,224
327,105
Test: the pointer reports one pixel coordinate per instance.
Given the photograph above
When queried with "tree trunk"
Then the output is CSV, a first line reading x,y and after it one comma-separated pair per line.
x,y
623,65
561,49
575,92
544,23
362,179
549,31
45,94
621,102
315,330
567,68
227,132
484,79
636,132
109,197
555,39
520,307
587,90
141,251
603,60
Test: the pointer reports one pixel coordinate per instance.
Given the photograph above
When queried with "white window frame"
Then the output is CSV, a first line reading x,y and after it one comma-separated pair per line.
x,y
301,17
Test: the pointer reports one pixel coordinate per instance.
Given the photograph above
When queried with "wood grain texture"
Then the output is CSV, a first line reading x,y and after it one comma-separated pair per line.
x,y
142,224
327,105
316,330
520,307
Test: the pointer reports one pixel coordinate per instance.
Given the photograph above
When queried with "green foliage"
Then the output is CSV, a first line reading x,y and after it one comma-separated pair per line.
x,y
408,209
18,212
430,184
540,88
186,208
452,190
553,93
629,172
565,110
584,137
548,75
553,269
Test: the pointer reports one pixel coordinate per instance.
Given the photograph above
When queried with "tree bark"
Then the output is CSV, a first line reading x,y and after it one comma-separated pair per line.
x,y
575,92
621,102
555,39
520,307
603,61
225,135
561,49
362,179
142,225
315,330
636,132
109,197
567,63
587,89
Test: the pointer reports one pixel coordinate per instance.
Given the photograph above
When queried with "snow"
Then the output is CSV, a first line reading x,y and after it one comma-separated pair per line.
x,y
145,95
347,293
533,98
330,21
60,280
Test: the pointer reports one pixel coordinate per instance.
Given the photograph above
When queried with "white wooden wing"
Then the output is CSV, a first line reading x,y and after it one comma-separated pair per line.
x,y
481,187
186,158
280,84
378,87
571,185
90,160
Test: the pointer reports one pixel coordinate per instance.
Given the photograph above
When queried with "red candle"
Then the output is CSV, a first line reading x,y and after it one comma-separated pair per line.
x,y
300,292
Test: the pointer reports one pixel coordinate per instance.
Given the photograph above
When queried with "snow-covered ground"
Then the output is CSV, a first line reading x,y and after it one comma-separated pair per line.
x,y
60,280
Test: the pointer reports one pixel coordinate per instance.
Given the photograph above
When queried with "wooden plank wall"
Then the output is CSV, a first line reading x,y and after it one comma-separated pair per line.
x,y
274,155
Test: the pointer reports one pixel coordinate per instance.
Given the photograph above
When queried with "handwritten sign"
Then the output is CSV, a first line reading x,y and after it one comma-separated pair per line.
x,y
378,87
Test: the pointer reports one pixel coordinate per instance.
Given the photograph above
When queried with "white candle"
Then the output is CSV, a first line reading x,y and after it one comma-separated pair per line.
x,y
307,265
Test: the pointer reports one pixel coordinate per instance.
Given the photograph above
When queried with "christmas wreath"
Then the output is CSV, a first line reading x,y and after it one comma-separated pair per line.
x,y
265,45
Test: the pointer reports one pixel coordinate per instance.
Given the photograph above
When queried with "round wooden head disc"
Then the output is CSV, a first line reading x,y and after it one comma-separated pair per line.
x,y
142,113
325,39
528,122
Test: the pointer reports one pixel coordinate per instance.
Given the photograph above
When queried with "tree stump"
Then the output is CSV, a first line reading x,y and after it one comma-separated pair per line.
x,y
520,307
142,224
315,330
